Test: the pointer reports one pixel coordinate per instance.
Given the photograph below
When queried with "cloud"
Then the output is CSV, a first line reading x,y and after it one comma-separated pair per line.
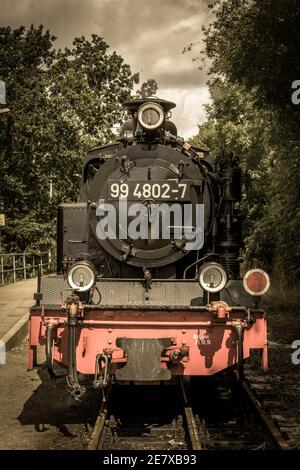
x,y
189,111
149,35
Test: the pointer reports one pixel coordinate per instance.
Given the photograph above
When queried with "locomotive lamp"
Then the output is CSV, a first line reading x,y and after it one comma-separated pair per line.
x,y
256,282
151,116
81,276
212,277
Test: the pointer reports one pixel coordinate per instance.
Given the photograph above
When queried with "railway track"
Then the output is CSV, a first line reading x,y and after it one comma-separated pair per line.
x,y
272,433
276,392
146,417
219,412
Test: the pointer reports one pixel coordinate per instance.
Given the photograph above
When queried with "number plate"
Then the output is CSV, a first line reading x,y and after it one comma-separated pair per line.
x,y
167,190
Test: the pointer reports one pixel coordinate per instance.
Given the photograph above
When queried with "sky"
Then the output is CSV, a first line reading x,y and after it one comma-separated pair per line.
x,y
149,34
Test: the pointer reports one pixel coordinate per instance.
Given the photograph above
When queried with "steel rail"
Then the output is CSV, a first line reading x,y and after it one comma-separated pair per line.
x,y
190,421
273,433
100,422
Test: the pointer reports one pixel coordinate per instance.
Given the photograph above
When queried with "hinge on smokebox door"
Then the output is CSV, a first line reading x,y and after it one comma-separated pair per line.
x,y
126,164
128,250
180,244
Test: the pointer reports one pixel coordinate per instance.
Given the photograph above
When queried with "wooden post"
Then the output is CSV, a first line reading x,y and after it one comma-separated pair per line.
x,y
24,266
14,267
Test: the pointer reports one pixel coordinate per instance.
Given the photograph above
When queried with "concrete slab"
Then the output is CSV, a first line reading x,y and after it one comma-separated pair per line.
x,y
15,301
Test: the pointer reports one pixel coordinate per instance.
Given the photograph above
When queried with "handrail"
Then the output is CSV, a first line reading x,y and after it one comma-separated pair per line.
x,y
20,266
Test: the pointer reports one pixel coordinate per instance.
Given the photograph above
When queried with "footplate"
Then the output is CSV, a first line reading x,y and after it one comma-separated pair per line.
x,y
143,359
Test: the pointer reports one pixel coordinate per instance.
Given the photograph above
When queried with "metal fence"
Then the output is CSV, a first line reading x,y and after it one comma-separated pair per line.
x,y
21,266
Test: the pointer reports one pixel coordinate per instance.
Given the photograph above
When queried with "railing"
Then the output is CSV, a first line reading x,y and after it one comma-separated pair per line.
x,y
21,266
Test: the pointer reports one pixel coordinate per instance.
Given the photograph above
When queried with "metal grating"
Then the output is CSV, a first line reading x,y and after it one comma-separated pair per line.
x,y
126,292
133,293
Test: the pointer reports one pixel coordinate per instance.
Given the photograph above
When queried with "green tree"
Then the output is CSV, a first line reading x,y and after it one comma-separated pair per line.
x,y
25,56
256,44
63,103
234,122
147,89
252,47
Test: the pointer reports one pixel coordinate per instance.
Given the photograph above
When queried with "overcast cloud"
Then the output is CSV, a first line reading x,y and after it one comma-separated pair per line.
x,y
150,35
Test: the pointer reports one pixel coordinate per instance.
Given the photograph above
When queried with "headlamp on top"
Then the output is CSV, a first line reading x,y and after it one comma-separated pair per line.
x,y
212,277
81,276
150,116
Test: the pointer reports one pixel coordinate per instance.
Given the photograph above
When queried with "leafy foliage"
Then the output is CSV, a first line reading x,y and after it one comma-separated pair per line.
x,y
252,49
234,123
256,44
62,104
148,88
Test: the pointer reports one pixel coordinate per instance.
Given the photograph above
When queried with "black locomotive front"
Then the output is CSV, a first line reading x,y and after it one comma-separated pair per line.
x,y
148,284
151,166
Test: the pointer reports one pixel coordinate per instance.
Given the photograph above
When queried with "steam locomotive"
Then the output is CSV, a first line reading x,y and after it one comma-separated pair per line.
x,y
148,282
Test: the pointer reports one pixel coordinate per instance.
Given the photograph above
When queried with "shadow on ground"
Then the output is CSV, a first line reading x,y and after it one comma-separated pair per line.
x,y
52,404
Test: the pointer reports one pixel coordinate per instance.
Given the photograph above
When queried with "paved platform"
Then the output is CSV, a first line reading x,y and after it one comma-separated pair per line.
x,y
15,301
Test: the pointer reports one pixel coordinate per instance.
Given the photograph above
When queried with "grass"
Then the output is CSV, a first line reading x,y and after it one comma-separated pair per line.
x,y
283,295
